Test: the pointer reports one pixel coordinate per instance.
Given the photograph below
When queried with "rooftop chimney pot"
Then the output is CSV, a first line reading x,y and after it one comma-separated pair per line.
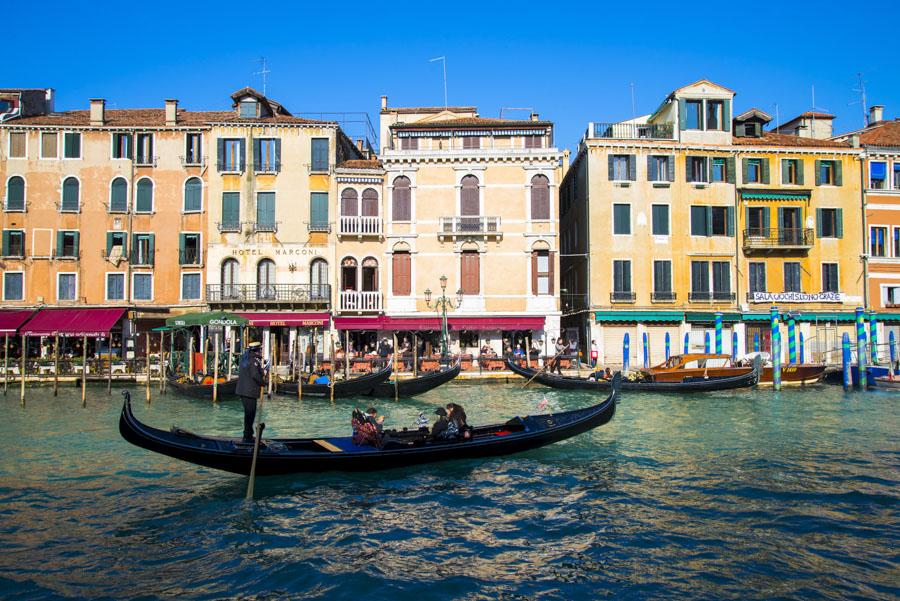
x,y
98,111
876,113
535,117
383,102
171,112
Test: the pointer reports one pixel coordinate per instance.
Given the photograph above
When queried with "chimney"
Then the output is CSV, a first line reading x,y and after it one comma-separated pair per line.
x,y
535,117
171,112
854,140
876,113
384,103
98,110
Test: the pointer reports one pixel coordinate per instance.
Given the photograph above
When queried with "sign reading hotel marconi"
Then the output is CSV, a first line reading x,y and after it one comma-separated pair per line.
x,y
796,297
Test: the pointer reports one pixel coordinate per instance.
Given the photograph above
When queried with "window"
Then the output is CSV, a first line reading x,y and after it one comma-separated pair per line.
x,y
696,169
13,286
190,286
693,118
230,279
830,277
67,244
757,277
66,286
877,236
144,146
370,203
622,219
890,296
470,272
621,277
115,286
267,155
534,141
758,221
116,245
622,168
753,171
17,145
792,277
231,212
49,142
265,210
719,170
193,149
248,108
721,272
829,223
318,277
715,117
15,194
401,273
70,196
662,280
121,146
118,196
189,251
660,220
897,176
318,210
401,200
541,272
700,280
791,172
828,173
265,279
712,221
349,203
540,197
144,201
142,287
471,142
752,130
142,252
469,203
877,175
72,145
320,154
193,195
231,156
13,243
660,168
409,143
897,241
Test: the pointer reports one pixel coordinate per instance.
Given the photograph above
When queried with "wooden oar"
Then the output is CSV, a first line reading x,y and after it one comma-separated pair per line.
x,y
259,430
546,365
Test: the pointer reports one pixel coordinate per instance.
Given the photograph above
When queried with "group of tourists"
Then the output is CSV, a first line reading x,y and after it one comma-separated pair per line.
x,y
451,424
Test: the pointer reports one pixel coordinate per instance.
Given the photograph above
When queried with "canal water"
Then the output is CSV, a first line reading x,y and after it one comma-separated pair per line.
x,y
747,494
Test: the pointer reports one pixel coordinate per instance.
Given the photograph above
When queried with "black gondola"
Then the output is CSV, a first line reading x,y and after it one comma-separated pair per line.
x,y
687,385
360,386
226,390
286,456
413,386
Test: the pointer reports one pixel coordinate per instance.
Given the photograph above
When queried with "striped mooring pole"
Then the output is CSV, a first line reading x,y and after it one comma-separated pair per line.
x,y
861,346
776,360
873,336
773,325
718,333
792,340
706,342
669,347
734,344
846,361
893,350
756,342
626,344
687,343
802,349
646,351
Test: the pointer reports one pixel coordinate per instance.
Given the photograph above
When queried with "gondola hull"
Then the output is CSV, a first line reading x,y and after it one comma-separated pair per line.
x,y
226,390
287,456
360,386
413,386
689,385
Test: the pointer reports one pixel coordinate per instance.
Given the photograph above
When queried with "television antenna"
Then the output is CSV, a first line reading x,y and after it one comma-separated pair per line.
x,y
861,90
443,60
264,71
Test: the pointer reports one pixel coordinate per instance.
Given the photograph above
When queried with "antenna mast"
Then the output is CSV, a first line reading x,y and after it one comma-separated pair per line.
x,y
861,90
443,60
264,71
633,110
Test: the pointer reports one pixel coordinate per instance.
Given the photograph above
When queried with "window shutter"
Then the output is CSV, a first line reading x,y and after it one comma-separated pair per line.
x,y
765,220
181,240
709,227
800,164
257,154
764,164
838,176
617,276
729,168
5,243
220,154
652,175
610,160
109,243
726,114
151,249
729,221
745,170
278,154
242,149
839,222
632,167
534,275
698,221
59,243
688,175
747,218
319,207
231,207
76,245
818,173
626,272
670,167
780,218
818,223
550,259
785,171
682,114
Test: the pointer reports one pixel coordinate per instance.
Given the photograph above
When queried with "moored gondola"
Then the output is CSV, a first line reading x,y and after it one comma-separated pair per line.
x,y
690,384
286,456
360,386
226,390
412,386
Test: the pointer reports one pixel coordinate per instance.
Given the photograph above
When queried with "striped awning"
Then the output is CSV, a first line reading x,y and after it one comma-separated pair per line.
x,y
639,316
775,195
710,317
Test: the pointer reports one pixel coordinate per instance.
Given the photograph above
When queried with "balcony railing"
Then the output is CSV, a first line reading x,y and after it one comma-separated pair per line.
x,y
272,293
469,226
269,226
267,167
359,226
354,300
620,296
662,297
193,161
778,238
141,258
229,226
145,161
633,131
189,256
318,226
707,297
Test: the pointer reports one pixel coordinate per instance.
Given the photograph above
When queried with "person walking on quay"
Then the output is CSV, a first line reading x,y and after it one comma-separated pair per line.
x,y
251,379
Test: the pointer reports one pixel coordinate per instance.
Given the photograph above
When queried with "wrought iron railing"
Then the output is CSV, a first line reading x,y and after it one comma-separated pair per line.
x,y
229,226
318,226
633,131
622,296
662,297
269,293
778,237
707,296
267,226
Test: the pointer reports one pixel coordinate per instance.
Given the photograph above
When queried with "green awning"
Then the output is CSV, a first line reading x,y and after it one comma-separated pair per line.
x,y
775,195
826,316
639,316
162,329
710,317
756,317
888,317
209,318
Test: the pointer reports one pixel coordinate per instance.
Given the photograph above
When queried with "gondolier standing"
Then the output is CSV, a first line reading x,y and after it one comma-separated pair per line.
x,y
251,378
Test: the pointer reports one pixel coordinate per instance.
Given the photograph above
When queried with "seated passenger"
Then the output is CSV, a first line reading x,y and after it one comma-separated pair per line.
x,y
364,432
439,429
312,378
375,419
457,415
322,378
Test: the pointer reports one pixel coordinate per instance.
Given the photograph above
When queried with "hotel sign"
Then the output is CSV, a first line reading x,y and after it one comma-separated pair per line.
x,y
796,297
267,251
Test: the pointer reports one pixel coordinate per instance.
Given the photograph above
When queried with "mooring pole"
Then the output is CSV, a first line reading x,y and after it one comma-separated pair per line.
x,y
396,371
162,361
299,359
147,361
84,369
416,355
626,351
109,366
718,323
776,360
272,370
23,352
346,354
668,346
5,363
332,369
216,368
847,360
646,342
56,365
527,351
861,347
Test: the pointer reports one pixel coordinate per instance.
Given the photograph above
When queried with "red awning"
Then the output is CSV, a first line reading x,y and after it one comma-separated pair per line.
x,y
73,322
384,322
11,321
522,322
294,320
359,323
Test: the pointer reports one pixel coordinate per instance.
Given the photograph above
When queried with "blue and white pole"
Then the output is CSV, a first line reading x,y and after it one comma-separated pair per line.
x,y
626,345
756,342
706,342
861,346
792,340
734,343
687,343
718,333
873,336
802,349
668,346
773,324
893,349
776,360
646,351
846,362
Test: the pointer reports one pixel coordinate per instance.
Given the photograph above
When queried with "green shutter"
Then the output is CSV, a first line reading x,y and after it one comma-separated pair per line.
x,y
746,218
766,222
818,223
77,240
231,211
610,161
729,168
5,243
698,221
729,221
764,165
838,176
745,170
670,168
59,243
800,164
257,154
318,208
709,227
220,154
682,114
109,243
152,249
181,239
780,218
278,154
785,171
839,222
818,173
242,150
726,114
651,169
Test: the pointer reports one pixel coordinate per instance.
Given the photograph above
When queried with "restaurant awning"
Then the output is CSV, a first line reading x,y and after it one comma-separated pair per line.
x,y
73,322
766,195
831,316
208,318
710,317
11,321
384,322
640,316
523,322
294,320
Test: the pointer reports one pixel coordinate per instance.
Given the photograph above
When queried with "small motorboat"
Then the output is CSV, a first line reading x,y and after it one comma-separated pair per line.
x,y
792,374
412,386
181,385
360,386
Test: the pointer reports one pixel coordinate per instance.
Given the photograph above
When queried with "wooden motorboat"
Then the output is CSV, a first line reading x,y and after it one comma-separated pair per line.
x,y
678,368
226,388
792,374
360,386
413,386
291,455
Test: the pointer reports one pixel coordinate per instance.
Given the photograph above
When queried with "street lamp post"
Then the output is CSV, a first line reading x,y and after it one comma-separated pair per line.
x,y
441,304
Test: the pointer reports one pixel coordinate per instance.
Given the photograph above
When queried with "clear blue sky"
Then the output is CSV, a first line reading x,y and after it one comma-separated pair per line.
x,y
573,63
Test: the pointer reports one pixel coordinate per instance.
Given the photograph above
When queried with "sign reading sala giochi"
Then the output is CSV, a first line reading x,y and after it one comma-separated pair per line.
x,y
796,297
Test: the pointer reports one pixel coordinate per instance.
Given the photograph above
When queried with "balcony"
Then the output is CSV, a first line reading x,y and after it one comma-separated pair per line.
x,y
229,226
620,296
267,167
361,302
193,161
318,226
486,227
662,297
783,239
141,258
712,297
145,161
266,227
632,131
271,294
359,226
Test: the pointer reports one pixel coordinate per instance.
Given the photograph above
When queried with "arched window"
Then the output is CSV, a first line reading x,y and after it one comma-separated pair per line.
x,y
349,206
401,273
369,203
469,202
230,288
193,195
540,197
318,278
15,194
401,200
118,196
370,274
144,201
265,279
70,193
348,274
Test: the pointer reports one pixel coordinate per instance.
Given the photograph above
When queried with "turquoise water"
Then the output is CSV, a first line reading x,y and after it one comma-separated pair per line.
x,y
740,495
